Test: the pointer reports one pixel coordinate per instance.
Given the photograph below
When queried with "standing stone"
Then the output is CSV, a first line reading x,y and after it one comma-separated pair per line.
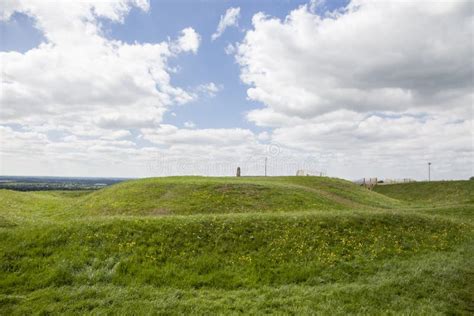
x,y
238,171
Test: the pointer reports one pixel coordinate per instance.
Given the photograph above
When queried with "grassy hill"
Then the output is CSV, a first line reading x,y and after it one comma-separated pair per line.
x,y
288,245
434,192
205,195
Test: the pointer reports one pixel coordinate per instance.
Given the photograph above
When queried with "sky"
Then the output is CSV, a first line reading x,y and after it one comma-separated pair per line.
x,y
137,88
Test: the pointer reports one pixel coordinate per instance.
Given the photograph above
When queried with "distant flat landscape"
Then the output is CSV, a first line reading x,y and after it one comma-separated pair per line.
x,y
24,183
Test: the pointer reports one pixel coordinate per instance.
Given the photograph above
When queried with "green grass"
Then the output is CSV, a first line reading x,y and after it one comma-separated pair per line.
x,y
431,193
287,245
33,207
432,284
203,195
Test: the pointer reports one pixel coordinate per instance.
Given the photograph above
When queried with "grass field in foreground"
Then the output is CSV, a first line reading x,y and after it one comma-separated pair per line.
x,y
291,245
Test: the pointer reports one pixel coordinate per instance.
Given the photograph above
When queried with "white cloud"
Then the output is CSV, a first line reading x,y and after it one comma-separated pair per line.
x,y
76,101
263,136
171,135
377,88
229,49
230,18
189,124
188,41
33,153
69,22
210,89
315,4
79,77
8,8
117,135
396,146
410,55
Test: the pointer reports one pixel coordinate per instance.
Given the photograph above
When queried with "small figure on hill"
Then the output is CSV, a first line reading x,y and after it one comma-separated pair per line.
x,y
238,171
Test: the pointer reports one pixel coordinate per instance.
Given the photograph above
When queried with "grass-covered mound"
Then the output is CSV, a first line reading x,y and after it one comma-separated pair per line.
x,y
434,192
229,252
287,245
40,206
205,195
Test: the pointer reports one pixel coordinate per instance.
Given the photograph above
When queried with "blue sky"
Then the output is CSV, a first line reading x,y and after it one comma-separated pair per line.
x,y
166,18
342,86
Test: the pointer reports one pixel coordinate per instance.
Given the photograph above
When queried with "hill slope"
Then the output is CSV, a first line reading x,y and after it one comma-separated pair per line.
x,y
37,206
205,195
338,255
435,192
286,245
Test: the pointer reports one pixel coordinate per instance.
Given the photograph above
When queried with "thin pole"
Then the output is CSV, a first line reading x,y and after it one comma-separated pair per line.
x,y
265,166
429,171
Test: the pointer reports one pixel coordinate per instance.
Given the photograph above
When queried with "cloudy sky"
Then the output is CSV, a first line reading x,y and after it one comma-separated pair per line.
x,y
132,88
